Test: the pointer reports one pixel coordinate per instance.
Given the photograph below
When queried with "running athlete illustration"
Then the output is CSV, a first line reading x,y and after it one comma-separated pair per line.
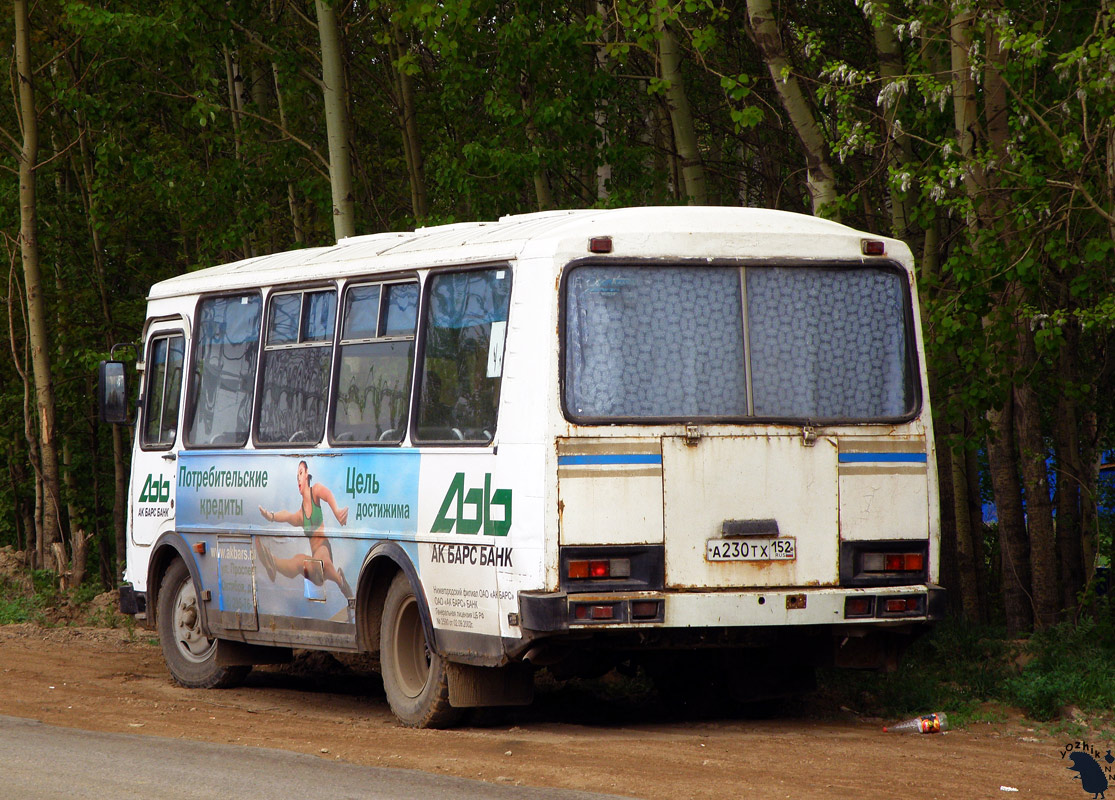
x,y
311,519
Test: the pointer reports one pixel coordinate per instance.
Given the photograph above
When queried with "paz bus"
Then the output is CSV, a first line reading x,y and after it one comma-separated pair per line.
x,y
694,439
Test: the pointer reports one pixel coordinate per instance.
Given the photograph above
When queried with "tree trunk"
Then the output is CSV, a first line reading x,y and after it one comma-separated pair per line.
x,y
899,151
1072,478
681,119
120,495
1039,507
600,113
964,108
950,569
975,517
1091,456
336,121
235,78
92,214
295,212
36,307
1014,546
966,550
821,177
408,126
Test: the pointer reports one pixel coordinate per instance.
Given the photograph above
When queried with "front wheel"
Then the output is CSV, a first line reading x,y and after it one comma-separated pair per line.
x,y
414,676
190,655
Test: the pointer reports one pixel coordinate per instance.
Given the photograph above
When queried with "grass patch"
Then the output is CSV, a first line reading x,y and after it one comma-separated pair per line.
x,y
34,596
16,603
1070,666
960,669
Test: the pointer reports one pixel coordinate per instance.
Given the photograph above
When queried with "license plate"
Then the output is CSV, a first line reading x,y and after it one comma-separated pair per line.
x,y
780,549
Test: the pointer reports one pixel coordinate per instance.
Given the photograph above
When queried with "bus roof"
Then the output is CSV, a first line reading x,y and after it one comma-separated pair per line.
x,y
507,238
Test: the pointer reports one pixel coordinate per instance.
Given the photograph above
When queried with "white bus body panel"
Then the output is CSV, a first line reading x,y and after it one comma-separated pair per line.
x,y
663,490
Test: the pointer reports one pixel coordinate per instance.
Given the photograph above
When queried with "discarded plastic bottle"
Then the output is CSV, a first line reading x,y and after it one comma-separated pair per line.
x,y
927,723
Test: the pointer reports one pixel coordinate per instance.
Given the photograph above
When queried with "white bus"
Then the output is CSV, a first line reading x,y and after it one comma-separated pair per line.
x,y
569,439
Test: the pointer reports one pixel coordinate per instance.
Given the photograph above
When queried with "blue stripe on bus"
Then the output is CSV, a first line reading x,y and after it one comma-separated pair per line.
x,y
631,458
907,458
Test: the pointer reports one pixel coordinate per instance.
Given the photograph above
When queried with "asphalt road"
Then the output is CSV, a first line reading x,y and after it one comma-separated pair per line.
x,y
45,762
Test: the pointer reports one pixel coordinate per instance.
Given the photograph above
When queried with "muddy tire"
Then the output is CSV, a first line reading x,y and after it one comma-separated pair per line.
x,y
190,655
414,675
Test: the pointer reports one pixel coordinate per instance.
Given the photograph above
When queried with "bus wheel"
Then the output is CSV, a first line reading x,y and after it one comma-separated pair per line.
x,y
414,676
190,655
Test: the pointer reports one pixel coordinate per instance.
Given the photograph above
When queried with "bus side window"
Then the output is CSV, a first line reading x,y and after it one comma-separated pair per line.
x,y
375,363
297,353
462,359
163,391
224,371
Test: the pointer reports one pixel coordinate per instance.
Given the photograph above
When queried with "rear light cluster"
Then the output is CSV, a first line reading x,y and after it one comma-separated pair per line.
x,y
884,606
617,611
890,562
611,568
598,569
893,562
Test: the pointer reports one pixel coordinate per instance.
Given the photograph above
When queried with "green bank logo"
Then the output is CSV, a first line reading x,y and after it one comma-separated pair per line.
x,y
156,489
478,503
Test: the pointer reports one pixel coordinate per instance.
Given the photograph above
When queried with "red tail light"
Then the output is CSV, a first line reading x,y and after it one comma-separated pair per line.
x,y
893,562
857,607
601,612
584,569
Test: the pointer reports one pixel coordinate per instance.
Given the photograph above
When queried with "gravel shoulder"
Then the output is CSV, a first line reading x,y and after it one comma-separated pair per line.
x,y
106,679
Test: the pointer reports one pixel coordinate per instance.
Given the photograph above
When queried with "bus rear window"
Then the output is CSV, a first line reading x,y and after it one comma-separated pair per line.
x,y
726,343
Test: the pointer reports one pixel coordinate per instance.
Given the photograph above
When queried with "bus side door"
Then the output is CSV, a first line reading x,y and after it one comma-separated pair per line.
x,y
154,474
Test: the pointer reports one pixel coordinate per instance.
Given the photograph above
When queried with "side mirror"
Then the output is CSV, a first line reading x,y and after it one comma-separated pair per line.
x,y
112,392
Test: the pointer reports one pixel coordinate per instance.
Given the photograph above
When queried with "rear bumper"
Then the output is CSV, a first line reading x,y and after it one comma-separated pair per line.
x,y
549,612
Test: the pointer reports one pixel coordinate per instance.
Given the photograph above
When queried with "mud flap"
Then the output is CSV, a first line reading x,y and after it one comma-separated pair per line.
x,y
233,654
470,687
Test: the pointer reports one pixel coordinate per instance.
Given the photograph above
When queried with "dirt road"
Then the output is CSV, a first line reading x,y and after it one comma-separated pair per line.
x,y
577,738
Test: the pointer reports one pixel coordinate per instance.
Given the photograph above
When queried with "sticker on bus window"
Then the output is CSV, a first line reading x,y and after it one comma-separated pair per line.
x,y
495,349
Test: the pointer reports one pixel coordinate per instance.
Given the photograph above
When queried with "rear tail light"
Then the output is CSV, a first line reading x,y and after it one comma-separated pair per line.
x,y
578,570
908,606
893,562
598,569
643,610
870,606
611,568
862,606
884,562
585,611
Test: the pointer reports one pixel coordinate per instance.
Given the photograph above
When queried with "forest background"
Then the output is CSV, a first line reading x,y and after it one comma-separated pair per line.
x,y
146,138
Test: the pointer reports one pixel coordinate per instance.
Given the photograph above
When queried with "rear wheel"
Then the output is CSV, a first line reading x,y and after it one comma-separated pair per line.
x,y
190,655
414,676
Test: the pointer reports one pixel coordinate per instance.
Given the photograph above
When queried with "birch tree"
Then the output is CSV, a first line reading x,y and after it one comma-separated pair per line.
x,y
33,285
821,176
336,120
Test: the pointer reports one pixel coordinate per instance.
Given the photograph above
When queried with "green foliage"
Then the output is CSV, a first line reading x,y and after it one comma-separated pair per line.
x,y
140,184
44,584
1071,665
15,605
957,667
